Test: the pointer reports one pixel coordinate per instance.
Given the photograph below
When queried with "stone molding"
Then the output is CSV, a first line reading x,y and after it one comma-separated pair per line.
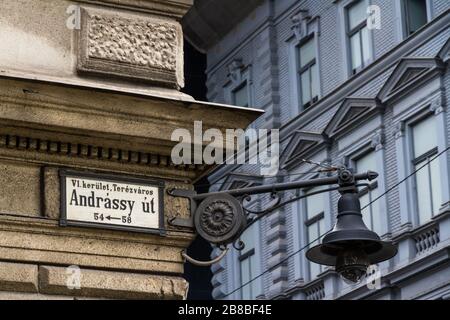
x,y
87,151
31,281
103,126
47,243
113,285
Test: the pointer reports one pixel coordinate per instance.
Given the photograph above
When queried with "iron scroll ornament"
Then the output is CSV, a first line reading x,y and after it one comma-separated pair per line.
x,y
220,219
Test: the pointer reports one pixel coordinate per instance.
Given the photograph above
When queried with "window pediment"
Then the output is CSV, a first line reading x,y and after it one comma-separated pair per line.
x,y
238,181
300,145
351,112
405,75
444,53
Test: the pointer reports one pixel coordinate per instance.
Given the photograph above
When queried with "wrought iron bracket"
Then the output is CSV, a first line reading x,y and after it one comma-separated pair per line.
x,y
221,217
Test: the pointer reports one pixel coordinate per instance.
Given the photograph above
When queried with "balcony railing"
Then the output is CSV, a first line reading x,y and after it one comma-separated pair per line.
x,y
316,292
427,239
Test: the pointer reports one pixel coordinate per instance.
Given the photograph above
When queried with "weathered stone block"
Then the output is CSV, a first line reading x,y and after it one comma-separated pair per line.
x,y
18,277
51,193
20,188
115,285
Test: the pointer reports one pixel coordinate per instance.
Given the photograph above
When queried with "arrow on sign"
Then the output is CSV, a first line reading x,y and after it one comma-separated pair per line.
x,y
112,218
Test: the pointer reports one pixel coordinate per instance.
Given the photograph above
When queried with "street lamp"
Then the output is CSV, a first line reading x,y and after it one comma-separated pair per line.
x,y
350,247
221,218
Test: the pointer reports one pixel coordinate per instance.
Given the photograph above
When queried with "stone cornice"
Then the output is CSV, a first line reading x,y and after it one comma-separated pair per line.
x,y
173,8
101,125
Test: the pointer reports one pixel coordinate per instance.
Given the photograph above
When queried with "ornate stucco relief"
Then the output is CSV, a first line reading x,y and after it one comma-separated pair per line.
x,y
132,46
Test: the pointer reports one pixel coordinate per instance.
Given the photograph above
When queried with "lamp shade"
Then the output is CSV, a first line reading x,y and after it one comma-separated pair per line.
x,y
351,244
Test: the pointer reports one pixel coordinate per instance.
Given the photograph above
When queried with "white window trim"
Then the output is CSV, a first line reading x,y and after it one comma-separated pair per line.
x,y
312,27
345,41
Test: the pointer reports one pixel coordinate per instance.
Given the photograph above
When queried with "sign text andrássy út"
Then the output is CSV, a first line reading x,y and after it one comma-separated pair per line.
x,y
104,200
94,201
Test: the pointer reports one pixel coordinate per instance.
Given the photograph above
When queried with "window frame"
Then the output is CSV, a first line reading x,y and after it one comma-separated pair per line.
x,y
360,145
250,254
372,185
307,223
299,239
413,161
401,27
244,84
350,32
243,76
405,17
307,68
345,40
247,256
308,30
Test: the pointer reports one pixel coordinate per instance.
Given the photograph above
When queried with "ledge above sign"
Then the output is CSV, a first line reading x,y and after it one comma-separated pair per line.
x,y
130,45
111,202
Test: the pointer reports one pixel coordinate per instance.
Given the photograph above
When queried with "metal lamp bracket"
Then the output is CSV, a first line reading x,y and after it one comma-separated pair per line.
x,y
221,217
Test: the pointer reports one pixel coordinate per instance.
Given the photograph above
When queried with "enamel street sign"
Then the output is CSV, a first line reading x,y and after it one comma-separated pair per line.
x,y
111,202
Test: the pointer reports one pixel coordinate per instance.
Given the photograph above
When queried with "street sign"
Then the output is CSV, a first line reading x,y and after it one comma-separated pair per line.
x,y
111,202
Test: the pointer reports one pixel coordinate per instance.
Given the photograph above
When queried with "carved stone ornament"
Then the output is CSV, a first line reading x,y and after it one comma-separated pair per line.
x,y
300,24
131,46
377,141
436,105
220,219
235,71
399,130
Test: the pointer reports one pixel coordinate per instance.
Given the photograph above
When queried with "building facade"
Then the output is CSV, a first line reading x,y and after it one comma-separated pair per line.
x,y
89,99
360,83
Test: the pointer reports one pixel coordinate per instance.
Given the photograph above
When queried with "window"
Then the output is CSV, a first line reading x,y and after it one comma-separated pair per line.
x,y
371,214
308,73
415,15
358,35
240,95
315,225
248,263
427,182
